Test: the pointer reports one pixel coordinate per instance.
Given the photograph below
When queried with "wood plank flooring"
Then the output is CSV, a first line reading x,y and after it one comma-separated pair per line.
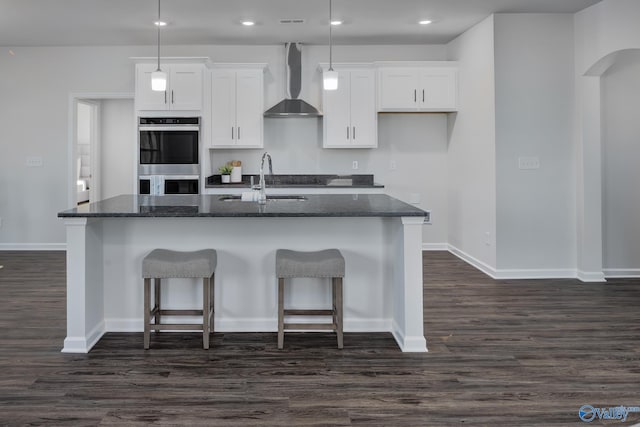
x,y
501,353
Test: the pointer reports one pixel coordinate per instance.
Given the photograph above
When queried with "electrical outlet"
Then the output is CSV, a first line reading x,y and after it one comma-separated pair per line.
x,y
393,165
33,162
427,217
487,238
354,165
529,162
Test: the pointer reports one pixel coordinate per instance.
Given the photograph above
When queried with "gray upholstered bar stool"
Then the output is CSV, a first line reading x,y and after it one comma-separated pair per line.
x,y
327,263
164,264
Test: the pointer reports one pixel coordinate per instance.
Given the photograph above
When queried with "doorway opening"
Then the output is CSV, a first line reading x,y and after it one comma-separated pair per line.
x,y
101,146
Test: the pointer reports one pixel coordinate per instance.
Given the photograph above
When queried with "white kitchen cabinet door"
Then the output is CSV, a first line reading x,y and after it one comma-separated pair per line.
x,y
237,107
415,89
350,119
439,89
186,87
147,99
249,108
364,119
223,108
336,118
398,89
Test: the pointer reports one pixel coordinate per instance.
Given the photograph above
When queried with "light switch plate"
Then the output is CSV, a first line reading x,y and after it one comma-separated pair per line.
x,y
529,162
33,162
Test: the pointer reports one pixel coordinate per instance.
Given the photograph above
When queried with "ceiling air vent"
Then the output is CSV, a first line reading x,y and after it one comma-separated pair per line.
x,y
292,21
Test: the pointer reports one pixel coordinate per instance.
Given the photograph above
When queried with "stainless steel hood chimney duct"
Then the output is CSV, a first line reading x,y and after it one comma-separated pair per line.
x,y
292,106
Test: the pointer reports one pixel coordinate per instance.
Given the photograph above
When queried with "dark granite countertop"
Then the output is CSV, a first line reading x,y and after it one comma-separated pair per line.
x,y
299,181
313,205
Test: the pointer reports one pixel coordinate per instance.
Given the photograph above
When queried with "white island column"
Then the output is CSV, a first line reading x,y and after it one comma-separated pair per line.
x,y
408,319
85,307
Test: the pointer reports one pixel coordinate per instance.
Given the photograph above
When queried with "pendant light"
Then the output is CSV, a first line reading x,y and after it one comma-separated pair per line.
x,y
330,77
159,77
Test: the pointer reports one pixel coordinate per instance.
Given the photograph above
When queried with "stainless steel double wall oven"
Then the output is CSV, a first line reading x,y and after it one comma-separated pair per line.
x,y
168,161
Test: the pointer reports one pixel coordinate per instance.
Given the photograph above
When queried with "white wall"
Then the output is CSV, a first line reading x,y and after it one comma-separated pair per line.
x,y
620,174
604,33
30,198
471,154
534,110
117,136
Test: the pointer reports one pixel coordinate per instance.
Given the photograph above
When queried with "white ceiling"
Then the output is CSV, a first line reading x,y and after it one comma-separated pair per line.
x,y
130,22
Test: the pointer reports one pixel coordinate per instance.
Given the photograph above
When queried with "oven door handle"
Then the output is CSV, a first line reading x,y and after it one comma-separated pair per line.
x,y
168,128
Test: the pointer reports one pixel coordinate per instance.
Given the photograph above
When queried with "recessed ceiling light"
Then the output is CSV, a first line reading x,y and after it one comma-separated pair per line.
x,y
160,24
425,22
248,23
336,22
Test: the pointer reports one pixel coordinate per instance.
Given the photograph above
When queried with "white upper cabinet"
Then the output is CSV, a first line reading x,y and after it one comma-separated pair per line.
x,y
237,107
184,88
349,113
417,88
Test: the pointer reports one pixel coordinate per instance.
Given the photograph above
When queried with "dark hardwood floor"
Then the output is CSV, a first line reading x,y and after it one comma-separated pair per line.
x,y
506,353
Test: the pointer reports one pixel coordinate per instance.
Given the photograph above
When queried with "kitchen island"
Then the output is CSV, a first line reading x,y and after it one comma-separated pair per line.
x,y
379,236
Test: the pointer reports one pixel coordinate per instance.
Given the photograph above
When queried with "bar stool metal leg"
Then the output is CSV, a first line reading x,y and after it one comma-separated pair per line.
x,y
212,284
157,297
147,312
338,309
206,321
280,313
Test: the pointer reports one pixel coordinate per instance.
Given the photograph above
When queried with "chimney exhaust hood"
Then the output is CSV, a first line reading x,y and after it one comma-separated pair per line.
x,y
292,106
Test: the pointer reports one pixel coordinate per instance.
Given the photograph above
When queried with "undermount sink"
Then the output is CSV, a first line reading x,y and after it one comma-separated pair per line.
x,y
270,198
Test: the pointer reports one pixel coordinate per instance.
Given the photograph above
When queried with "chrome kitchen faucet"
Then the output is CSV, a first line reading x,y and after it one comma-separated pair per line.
x,y
262,198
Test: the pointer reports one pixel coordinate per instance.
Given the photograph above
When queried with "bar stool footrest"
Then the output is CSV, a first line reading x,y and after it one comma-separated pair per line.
x,y
324,326
292,312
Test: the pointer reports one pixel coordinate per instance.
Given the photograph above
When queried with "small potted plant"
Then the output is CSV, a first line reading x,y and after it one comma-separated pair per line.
x,y
225,172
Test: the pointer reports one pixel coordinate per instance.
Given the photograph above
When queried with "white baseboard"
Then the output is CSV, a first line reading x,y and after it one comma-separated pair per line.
x,y
591,276
622,273
435,247
516,274
485,268
521,274
84,344
33,246
247,325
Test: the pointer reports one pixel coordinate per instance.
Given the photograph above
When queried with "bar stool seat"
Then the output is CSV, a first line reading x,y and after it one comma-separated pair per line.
x,y
164,264
328,263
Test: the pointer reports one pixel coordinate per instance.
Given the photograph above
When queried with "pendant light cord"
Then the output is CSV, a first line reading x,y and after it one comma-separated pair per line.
x,y
158,24
330,38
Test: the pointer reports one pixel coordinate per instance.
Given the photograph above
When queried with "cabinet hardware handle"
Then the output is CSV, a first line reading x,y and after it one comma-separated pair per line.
x,y
347,132
423,95
165,96
231,132
238,132
354,133
415,95
172,100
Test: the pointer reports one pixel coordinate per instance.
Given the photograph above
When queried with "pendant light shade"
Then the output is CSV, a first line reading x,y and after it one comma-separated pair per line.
x,y
330,77
159,77
159,80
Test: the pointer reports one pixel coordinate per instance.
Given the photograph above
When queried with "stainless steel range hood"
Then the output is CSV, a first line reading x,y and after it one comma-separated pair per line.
x,y
292,106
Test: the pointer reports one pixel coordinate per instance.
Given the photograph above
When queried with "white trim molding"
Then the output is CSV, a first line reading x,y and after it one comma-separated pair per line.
x,y
33,246
485,268
435,246
622,273
551,273
591,276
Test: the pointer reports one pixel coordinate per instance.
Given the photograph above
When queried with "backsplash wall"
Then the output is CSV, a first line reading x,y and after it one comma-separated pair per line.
x,y
417,143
